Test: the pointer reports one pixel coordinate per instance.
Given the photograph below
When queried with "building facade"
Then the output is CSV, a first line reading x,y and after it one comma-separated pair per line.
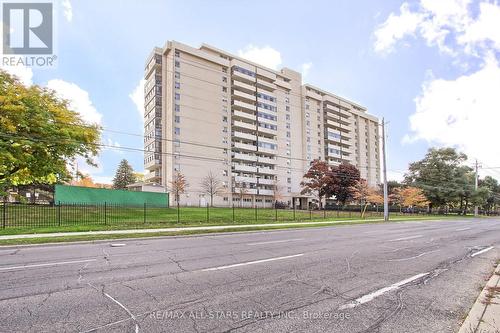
x,y
255,129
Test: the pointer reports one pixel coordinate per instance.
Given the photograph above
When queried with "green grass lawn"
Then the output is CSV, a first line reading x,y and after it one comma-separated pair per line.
x,y
23,219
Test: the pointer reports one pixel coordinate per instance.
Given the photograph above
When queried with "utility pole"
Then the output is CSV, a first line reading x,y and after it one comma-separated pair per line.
x,y
384,170
475,189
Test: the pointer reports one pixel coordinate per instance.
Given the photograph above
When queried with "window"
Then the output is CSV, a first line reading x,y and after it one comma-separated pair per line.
x,y
289,189
287,100
177,131
177,53
287,108
289,180
224,89
224,119
177,75
287,117
177,119
224,79
177,64
224,173
177,96
177,108
177,85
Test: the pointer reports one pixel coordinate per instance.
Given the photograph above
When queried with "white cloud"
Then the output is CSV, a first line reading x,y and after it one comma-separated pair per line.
x,y
68,10
78,98
137,96
437,22
461,113
305,68
485,28
23,73
396,27
266,56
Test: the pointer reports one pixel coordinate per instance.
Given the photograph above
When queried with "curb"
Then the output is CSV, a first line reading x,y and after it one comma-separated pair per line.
x,y
481,318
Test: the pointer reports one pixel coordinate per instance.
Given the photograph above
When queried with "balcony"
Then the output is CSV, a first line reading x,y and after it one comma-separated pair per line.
x,y
243,85
152,165
266,192
283,84
266,130
244,168
244,146
267,171
245,191
242,76
267,151
266,85
242,135
243,95
244,179
244,115
267,160
244,157
313,94
152,176
243,105
241,124
264,181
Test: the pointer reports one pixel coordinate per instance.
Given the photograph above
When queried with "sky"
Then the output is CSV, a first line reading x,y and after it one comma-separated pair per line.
x,y
430,68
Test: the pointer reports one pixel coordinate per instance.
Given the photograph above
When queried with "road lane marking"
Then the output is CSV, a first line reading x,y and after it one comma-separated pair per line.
x,y
275,242
482,251
414,257
462,229
405,238
46,264
250,263
371,296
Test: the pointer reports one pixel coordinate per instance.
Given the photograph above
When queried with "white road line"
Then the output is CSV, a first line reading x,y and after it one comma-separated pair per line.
x,y
405,238
250,263
371,296
275,242
462,229
44,265
482,251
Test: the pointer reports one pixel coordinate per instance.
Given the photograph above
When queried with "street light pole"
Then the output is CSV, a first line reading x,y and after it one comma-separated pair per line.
x,y
386,198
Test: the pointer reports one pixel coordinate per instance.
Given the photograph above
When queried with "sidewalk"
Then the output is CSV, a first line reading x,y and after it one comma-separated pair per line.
x,y
485,313
179,229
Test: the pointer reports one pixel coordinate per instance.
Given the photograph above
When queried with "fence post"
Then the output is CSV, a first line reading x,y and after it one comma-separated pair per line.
x,y
310,214
294,211
144,213
275,213
105,213
208,213
324,214
4,219
59,213
233,211
256,218
338,211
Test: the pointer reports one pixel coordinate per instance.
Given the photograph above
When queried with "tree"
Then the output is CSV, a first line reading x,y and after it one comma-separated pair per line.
x,y
438,174
493,198
212,186
124,175
365,195
39,134
317,180
344,177
178,185
139,176
413,197
85,181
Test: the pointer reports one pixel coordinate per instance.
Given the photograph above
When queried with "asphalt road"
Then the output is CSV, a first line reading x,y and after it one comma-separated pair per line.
x,y
393,277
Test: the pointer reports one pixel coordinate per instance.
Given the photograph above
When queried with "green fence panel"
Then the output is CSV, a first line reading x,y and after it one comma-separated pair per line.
x,y
65,194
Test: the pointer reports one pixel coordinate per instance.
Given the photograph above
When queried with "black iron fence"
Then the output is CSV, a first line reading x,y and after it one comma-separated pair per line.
x,y
21,215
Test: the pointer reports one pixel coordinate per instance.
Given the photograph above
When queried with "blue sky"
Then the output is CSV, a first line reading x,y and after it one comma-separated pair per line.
x,y
408,62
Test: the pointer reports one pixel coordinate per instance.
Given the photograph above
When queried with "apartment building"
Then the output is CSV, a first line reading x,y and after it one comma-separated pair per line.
x,y
254,129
